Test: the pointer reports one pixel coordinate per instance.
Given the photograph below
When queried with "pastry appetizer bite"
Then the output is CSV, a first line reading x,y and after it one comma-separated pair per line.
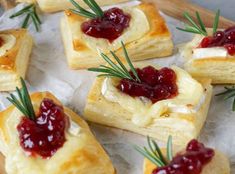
x,y
39,135
15,49
148,99
86,34
59,5
211,53
196,158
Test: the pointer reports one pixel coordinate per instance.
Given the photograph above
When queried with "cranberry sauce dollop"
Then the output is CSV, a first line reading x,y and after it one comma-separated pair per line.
x,y
224,39
45,135
155,84
191,162
1,41
109,27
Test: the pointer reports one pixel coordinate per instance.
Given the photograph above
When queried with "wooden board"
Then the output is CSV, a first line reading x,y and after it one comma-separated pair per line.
x,y
175,8
7,4
2,163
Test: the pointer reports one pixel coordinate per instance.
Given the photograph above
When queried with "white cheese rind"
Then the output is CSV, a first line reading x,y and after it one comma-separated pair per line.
x,y
213,52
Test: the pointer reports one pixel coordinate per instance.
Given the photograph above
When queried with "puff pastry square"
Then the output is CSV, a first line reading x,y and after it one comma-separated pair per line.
x,y
80,154
150,41
220,69
182,125
59,5
14,62
218,165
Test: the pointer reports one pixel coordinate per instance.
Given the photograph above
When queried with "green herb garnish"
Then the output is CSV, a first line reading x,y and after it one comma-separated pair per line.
x,y
24,103
154,153
193,27
228,93
117,70
30,12
98,12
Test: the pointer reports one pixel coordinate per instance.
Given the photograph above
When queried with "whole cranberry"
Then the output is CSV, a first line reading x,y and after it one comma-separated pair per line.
x,y
230,48
206,42
166,76
218,38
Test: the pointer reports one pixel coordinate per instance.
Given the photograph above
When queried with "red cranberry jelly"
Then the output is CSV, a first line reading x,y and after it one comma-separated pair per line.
x,y
155,84
191,162
46,134
110,26
1,41
224,39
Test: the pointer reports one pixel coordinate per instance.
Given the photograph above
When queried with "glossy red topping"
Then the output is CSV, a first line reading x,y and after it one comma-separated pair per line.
x,y
224,39
155,84
1,41
110,26
46,134
190,162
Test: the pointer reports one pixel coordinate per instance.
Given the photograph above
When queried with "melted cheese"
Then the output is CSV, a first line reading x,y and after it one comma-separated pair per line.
x,y
189,100
132,33
18,162
9,42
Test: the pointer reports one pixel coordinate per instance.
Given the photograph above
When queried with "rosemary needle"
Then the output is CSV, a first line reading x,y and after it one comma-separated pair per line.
x,y
198,27
24,103
117,69
31,13
97,12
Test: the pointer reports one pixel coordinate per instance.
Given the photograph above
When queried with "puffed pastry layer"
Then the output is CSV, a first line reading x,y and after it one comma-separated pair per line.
x,y
182,117
218,165
59,5
220,68
81,153
151,40
14,60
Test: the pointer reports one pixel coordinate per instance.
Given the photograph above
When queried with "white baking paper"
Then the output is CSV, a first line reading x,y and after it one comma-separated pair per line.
x,y
48,71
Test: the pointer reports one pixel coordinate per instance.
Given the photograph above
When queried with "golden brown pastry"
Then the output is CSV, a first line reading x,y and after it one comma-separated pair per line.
x,y
59,5
151,40
156,101
57,141
15,49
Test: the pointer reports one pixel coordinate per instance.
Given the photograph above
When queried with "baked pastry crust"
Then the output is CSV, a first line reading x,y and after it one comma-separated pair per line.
x,y
220,69
14,63
182,126
218,165
155,43
59,5
81,154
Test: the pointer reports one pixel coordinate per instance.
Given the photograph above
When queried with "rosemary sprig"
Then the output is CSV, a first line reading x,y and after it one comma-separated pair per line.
x,y
24,103
117,70
193,27
154,153
31,12
98,12
227,94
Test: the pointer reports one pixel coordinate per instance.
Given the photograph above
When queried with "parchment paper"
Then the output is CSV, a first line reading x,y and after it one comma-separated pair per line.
x,y
48,71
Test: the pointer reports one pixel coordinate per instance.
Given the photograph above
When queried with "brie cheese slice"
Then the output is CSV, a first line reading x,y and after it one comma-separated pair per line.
x,y
189,99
